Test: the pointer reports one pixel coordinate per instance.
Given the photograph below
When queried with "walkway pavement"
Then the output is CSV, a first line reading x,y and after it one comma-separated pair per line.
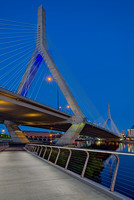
x,y
25,177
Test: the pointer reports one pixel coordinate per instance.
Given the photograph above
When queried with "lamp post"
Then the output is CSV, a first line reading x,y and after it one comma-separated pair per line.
x,y
49,79
68,108
57,97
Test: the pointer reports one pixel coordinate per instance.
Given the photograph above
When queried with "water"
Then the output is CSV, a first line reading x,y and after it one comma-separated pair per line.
x,y
125,176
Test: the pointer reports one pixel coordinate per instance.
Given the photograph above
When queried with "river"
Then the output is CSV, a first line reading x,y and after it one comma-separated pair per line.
x,y
104,166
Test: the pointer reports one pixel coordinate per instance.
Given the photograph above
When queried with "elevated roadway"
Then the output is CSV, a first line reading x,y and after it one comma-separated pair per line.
x,y
24,111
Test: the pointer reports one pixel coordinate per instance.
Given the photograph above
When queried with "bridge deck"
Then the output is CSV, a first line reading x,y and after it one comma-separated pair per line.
x,y
24,111
25,177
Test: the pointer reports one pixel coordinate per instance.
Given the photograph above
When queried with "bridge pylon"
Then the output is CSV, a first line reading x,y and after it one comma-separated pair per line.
x,y
41,53
109,123
15,133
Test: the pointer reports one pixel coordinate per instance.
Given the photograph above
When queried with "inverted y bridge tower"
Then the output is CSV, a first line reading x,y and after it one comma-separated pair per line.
x,y
41,53
109,123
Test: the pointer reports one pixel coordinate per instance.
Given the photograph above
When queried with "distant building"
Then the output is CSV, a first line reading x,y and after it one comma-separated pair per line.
x,y
41,136
130,132
123,133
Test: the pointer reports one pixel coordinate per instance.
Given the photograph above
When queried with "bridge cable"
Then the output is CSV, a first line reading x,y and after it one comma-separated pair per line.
x,y
12,76
12,69
17,22
24,46
34,88
12,57
16,41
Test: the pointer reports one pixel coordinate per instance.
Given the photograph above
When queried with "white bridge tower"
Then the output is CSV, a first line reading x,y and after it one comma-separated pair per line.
x,y
41,53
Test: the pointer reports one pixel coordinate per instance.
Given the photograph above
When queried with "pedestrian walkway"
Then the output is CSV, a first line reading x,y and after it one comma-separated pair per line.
x,y
25,177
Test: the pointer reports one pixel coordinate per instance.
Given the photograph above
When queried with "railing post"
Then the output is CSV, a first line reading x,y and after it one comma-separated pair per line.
x,y
3,146
68,158
57,156
85,165
35,149
50,153
45,152
40,151
27,147
114,175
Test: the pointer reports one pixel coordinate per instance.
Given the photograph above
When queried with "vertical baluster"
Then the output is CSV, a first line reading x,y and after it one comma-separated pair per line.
x,y
50,153
33,149
40,151
85,165
57,156
70,153
115,174
37,150
45,152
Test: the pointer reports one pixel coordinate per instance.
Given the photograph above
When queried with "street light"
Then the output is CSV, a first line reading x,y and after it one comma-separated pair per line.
x,y
49,79
57,97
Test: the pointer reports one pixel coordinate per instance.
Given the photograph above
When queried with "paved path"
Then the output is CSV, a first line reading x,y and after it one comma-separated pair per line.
x,y
25,177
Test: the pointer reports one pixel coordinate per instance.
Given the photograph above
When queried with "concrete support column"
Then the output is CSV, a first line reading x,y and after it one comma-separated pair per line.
x,y
16,134
69,137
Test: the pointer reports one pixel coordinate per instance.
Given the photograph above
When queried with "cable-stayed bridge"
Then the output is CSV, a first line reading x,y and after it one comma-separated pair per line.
x,y
17,110
109,124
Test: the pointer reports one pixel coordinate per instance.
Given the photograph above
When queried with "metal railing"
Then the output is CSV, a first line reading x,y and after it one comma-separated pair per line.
x,y
95,165
3,146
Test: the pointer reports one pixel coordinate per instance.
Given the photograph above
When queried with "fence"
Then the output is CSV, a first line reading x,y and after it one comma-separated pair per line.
x,y
96,165
3,146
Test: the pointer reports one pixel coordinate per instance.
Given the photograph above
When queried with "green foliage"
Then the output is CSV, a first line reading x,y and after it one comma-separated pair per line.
x,y
4,136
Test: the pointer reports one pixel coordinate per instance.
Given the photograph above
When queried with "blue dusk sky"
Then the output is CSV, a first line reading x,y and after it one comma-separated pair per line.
x,y
92,43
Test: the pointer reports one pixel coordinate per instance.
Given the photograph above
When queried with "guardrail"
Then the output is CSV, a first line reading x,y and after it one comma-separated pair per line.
x,y
95,165
3,146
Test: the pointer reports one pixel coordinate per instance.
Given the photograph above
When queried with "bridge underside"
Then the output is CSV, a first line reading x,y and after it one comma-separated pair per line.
x,y
88,130
24,111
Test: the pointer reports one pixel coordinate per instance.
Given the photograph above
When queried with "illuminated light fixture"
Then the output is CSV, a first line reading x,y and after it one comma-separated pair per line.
x,y
4,102
68,106
49,79
29,123
59,107
50,135
32,115
3,130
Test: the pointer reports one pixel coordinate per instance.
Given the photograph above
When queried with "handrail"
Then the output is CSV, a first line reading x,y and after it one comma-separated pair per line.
x,y
90,150
71,161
